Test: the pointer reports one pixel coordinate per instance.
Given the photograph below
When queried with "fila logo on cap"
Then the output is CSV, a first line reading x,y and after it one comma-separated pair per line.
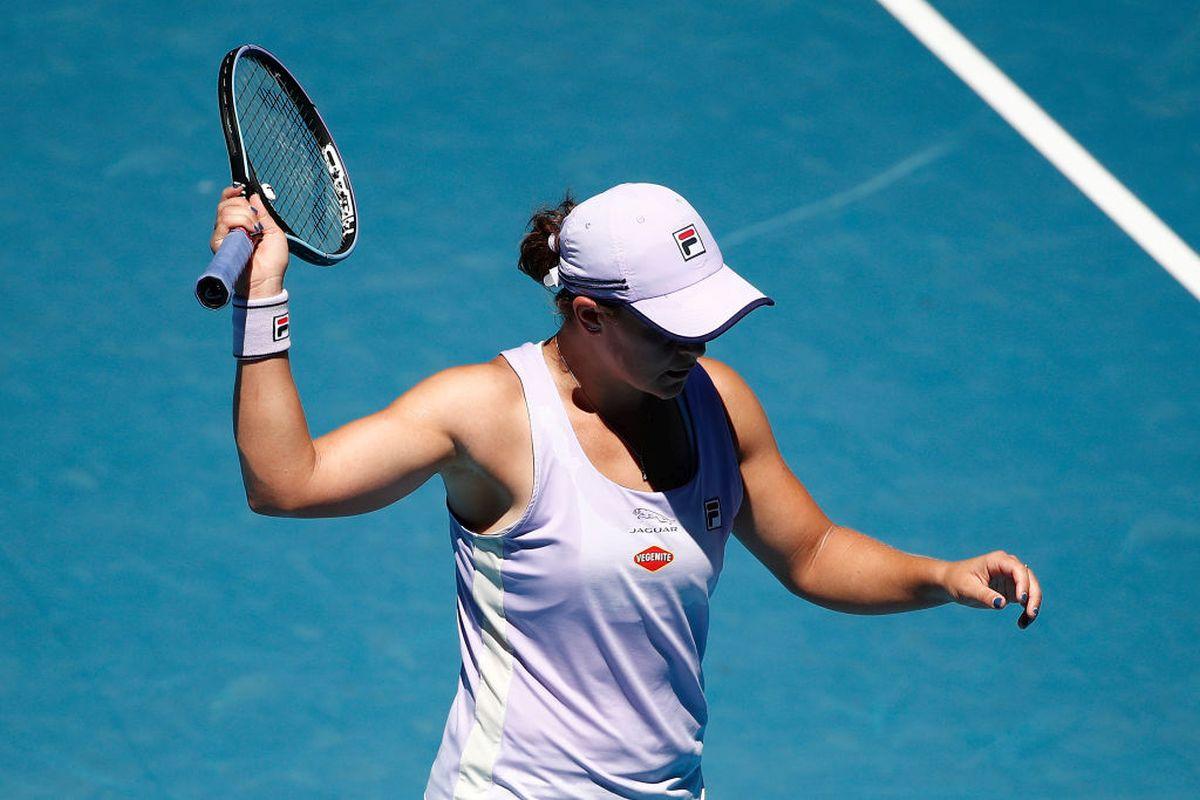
x,y
689,243
280,327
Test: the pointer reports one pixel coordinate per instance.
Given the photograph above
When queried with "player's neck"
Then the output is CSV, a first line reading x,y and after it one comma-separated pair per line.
x,y
615,400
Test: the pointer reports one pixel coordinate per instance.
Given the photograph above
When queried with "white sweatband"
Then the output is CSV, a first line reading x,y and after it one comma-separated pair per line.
x,y
261,326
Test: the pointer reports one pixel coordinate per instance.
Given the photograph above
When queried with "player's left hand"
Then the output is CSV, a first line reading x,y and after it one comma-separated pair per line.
x,y
993,581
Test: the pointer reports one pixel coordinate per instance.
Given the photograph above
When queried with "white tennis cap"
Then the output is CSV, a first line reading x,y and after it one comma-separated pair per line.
x,y
645,246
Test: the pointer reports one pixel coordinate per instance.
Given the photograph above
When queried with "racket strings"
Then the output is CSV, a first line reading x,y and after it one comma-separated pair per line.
x,y
318,206
309,183
310,198
277,132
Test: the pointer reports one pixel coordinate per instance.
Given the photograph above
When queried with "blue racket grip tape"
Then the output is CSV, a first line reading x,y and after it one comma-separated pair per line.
x,y
215,286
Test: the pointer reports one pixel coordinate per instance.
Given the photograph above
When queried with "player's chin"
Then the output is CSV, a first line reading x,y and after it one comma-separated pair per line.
x,y
671,383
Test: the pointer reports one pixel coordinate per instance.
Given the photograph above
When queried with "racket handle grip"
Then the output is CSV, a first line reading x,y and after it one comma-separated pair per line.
x,y
215,286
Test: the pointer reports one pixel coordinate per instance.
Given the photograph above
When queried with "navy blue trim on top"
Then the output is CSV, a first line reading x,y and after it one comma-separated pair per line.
x,y
689,425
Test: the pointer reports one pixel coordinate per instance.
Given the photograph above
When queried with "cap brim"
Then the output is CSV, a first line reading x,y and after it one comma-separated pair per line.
x,y
704,310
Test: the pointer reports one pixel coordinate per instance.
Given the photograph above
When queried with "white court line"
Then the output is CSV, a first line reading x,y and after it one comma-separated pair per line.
x,y
1120,204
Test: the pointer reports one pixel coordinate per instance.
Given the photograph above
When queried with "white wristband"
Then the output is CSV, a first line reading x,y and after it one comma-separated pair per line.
x,y
261,326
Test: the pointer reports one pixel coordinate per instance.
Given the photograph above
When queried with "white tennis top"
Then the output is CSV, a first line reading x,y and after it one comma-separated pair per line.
x,y
582,625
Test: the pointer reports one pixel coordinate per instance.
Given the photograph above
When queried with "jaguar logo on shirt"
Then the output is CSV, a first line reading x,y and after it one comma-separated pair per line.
x,y
653,522
653,558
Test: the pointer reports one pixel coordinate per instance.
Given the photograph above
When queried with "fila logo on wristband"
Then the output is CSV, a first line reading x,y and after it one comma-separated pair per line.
x,y
262,326
688,241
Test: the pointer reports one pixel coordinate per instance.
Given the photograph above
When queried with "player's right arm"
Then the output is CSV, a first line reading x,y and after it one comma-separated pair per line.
x,y
359,467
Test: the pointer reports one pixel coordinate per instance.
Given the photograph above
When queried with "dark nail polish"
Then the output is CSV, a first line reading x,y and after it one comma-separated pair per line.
x,y
1034,612
997,602
1025,597
255,210
258,227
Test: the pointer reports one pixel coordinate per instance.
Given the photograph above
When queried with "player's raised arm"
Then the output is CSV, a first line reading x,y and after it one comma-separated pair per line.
x,y
358,468
268,421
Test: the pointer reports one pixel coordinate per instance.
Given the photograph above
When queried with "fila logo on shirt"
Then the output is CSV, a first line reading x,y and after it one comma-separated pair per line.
x,y
687,239
279,327
712,513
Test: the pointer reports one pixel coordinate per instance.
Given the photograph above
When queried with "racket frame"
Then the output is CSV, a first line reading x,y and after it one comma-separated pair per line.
x,y
239,164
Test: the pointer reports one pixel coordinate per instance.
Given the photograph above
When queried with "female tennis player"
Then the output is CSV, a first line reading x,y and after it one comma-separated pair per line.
x,y
592,481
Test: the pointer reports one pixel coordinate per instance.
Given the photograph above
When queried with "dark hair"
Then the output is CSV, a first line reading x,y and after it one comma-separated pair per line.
x,y
537,259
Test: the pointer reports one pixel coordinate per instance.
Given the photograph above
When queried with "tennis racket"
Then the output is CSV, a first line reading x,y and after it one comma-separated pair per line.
x,y
279,148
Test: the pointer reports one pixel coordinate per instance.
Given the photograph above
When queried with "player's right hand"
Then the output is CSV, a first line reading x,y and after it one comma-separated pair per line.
x,y
263,276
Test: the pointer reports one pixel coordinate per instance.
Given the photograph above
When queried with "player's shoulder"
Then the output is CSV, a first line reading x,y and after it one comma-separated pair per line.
x,y
730,385
742,407
485,376
467,400
477,386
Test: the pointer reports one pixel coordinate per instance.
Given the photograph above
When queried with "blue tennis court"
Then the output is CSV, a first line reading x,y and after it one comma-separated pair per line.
x,y
966,355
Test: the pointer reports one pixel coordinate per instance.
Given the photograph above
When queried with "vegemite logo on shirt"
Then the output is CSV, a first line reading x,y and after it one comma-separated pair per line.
x,y
654,558
689,242
653,522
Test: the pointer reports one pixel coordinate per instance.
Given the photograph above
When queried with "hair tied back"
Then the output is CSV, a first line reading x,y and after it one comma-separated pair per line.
x,y
540,246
